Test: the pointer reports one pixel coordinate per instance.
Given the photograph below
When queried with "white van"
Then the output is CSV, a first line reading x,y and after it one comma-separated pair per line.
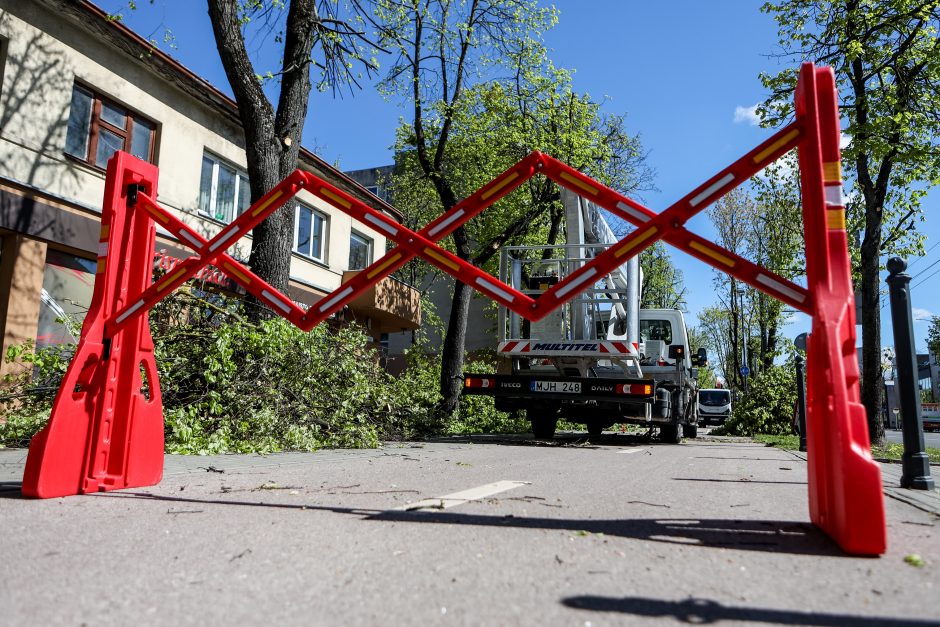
x,y
714,406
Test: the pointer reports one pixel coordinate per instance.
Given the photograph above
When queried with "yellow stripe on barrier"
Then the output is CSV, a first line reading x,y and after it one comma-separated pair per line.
x,y
335,198
105,231
267,203
234,271
714,254
156,213
499,185
832,171
769,150
430,252
626,248
101,264
835,219
172,278
378,269
579,183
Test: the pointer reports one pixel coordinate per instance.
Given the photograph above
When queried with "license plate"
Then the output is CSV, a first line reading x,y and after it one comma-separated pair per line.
x,y
557,387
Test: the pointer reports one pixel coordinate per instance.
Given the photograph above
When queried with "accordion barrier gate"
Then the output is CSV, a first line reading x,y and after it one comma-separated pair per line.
x,y
106,427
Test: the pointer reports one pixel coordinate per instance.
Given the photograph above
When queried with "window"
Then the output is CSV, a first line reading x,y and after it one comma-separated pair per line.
x,y
360,251
656,330
98,128
309,232
67,285
224,191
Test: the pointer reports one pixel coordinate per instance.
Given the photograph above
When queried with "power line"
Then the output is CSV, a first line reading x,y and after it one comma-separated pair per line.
x,y
925,269
925,279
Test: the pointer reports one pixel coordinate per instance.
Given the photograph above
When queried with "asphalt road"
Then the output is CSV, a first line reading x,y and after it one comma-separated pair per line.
x,y
931,438
485,531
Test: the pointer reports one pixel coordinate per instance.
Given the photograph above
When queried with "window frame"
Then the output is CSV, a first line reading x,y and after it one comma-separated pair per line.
x,y
324,235
214,187
96,124
370,243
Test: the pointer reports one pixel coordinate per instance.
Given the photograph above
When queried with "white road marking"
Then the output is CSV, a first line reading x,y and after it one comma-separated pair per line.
x,y
459,498
631,451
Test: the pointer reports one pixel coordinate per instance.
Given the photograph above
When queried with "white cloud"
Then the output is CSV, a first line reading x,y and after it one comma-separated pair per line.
x,y
844,140
746,114
921,314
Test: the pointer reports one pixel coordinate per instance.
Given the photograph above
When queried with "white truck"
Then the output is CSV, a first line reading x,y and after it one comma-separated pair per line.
x,y
598,360
714,406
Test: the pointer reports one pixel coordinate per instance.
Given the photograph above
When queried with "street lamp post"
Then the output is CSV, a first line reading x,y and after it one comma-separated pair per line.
x,y
915,465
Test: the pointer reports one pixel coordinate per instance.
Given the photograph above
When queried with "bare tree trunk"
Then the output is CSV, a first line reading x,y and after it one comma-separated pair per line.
x,y
272,140
872,379
454,348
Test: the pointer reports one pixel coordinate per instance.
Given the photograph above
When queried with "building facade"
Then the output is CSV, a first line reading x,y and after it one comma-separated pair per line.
x,y
76,87
437,287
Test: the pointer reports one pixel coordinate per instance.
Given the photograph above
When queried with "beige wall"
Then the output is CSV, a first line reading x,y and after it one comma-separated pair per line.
x,y
46,54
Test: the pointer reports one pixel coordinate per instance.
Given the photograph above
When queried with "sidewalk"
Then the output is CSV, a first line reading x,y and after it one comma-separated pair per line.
x,y
462,531
924,500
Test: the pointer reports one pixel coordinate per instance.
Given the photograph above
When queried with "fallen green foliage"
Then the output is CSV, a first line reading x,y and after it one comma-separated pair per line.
x,y
767,405
230,385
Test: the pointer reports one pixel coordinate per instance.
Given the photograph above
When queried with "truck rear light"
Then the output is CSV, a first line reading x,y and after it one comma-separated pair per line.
x,y
479,382
635,389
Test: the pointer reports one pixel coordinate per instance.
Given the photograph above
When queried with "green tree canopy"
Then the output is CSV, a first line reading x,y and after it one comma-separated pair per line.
x,y
885,56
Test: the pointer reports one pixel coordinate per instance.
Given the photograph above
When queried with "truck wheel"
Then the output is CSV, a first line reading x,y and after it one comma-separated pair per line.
x,y
690,431
543,426
595,429
669,434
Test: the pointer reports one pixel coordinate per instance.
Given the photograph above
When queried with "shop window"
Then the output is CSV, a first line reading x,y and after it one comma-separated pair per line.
x,y
310,233
360,251
224,190
67,285
98,128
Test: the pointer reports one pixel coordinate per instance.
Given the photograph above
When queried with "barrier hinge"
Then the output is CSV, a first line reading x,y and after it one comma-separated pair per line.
x,y
132,191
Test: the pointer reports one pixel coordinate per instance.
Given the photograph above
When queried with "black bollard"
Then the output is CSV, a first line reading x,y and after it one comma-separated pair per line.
x,y
801,399
915,465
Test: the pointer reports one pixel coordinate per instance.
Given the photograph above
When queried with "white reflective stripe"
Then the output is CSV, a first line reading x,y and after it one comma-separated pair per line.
x,y
711,189
443,225
130,310
382,226
495,289
639,215
102,249
191,240
223,241
346,292
617,347
574,284
459,498
274,300
780,287
834,195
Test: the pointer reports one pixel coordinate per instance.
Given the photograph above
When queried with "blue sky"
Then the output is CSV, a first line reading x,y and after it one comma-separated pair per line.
x,y
680,71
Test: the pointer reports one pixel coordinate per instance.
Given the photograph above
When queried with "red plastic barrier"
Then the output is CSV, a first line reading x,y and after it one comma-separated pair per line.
x,y
105,432
845,490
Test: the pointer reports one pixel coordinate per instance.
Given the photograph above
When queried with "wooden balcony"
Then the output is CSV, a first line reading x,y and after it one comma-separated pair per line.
x,y
389,306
